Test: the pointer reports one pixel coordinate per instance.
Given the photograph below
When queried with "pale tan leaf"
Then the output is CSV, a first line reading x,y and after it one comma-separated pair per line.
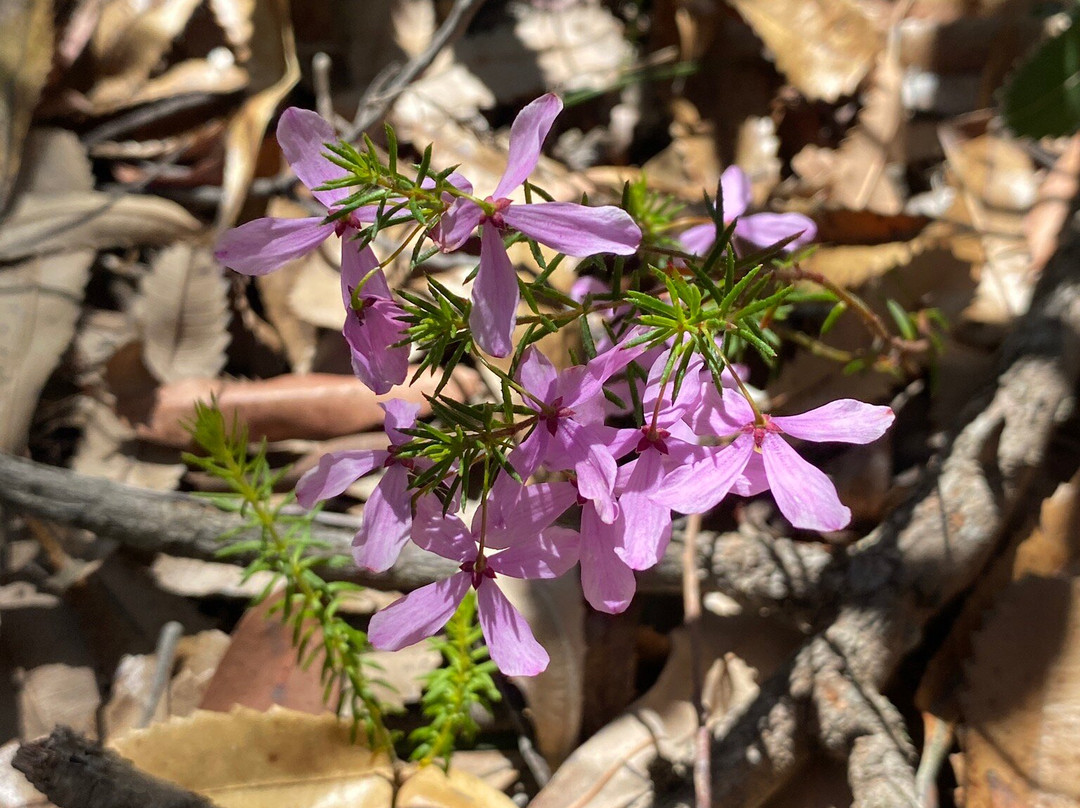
x,y
274,71
1021,703
248,759
129,42
15,789
184,310
39,305
194,662
26,54
54,161
41,224
824,47
57,693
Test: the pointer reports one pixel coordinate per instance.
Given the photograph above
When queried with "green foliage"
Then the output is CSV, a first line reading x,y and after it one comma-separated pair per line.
x,y
454,690
286,549
1042,97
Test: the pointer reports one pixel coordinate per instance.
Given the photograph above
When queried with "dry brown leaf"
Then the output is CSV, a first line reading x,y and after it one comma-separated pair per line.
x,y
274,71
861,177
612,767
46,223
824,47
1047,216
996,183
234,17
26,55
1021,738
690,164
555,611
184,311
129,42
317,405
209,76
57,694
39,306
247,759
108,448
196,658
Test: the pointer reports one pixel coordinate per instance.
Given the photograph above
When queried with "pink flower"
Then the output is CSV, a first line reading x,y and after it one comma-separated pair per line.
x,y
572,229
388,512
760,229
374,322
263,245
760,459
374,326
545,552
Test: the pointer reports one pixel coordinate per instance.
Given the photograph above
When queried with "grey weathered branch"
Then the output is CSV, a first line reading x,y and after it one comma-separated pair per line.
x,y
76,773
781,575
925,554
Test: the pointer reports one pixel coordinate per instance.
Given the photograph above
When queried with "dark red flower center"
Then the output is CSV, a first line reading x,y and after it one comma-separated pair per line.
x,y
654,437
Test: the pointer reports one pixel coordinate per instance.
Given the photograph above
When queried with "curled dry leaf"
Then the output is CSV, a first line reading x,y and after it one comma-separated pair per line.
x,y
184,310
317,405
612,768
26,54
274,71
824,47
108,448
129,42
265,760
46,223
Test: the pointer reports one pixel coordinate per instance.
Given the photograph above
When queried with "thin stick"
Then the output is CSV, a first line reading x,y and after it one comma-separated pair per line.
x,y
170,635
373,107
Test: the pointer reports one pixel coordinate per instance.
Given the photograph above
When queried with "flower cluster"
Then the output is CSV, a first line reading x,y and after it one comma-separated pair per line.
x,y
695,433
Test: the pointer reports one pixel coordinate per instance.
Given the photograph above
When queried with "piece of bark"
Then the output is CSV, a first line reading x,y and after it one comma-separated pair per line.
x,y
76,773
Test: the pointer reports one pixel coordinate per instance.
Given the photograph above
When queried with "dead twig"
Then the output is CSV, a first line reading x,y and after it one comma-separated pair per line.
x,y
76,773
381,95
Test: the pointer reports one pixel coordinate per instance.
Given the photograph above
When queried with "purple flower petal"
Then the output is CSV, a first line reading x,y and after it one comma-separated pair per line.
x,y
844,421
495,296
303,135
593,464
698,488
576,230
734,192
387,522
375,361
335,472
419,614
518,512
456,224
264,245
607,582
527,135
547,555
441,533
753,480
805,496
648,524
538,376
356,265
400,415
508,636
699,238
765,229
